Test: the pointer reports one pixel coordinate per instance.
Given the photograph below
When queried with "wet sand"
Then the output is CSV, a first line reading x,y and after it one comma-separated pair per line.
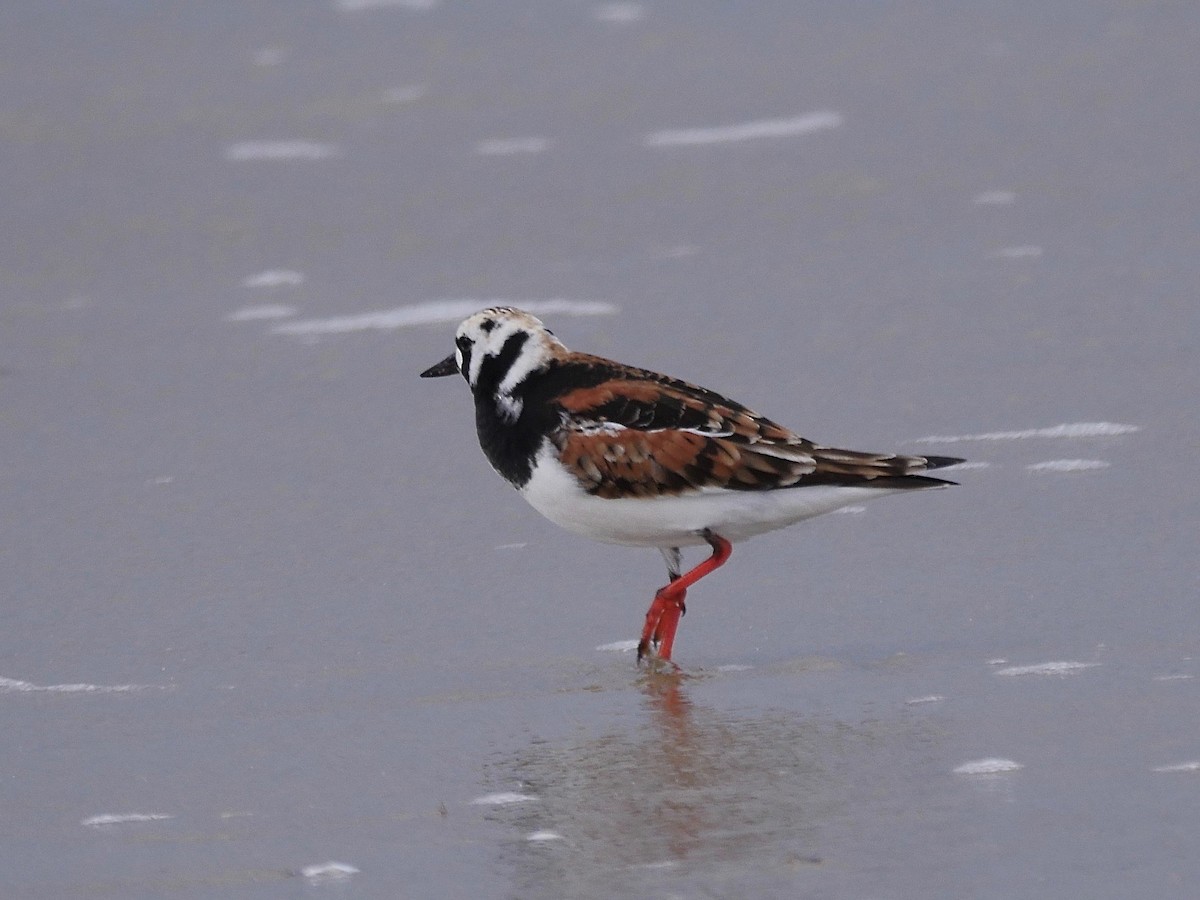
x,y
270,625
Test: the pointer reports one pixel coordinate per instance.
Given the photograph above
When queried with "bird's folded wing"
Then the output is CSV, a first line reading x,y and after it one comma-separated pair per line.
x,y
651,438
658,436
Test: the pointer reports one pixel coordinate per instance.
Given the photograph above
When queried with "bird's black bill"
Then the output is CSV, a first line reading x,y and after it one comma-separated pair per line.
x,y
448,366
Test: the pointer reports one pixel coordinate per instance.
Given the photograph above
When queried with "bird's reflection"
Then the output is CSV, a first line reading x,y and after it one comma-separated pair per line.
x,y
682,790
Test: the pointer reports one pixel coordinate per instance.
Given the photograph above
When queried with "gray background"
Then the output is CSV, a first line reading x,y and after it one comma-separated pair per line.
x,y
339,627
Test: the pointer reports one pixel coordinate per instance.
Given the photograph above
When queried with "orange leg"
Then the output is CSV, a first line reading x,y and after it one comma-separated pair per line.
x,y
662,619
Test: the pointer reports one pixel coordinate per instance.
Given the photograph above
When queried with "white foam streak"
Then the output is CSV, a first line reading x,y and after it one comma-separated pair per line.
x,y
1027,251
13,686
995,198
105,819
258,313
359,5
1068,667
503,798
993,765
512,146
1191,766
437,311
619,13
539,836
764,128
1068,465
329,871
1069,430
618,647
274,151
273,278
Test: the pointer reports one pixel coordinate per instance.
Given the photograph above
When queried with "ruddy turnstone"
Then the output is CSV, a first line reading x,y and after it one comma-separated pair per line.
x,y
628,456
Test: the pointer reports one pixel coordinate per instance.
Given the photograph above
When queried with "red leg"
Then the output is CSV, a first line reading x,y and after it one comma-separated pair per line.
x,y
662,619
665,633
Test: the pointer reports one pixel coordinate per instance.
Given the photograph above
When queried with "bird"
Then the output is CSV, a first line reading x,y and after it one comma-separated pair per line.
x,y
628,456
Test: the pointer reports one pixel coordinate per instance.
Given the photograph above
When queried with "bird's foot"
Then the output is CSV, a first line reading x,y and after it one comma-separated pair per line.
x,y
662,620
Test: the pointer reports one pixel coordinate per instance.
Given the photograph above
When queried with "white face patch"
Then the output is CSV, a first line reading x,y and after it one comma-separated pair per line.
x,y
477,356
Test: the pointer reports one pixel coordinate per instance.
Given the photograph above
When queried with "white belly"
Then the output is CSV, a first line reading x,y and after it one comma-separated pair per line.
x,y
679,521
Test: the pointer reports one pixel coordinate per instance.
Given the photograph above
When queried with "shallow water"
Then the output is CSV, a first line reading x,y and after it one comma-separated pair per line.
x,y
271,628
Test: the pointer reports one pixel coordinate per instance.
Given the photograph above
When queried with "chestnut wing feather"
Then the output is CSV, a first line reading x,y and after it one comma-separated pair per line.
x,y
643,434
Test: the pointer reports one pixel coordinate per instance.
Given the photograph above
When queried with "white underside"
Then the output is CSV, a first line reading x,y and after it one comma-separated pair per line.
x,y
679,521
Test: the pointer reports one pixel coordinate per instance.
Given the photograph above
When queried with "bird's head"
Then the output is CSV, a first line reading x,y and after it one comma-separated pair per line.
x,y
496,349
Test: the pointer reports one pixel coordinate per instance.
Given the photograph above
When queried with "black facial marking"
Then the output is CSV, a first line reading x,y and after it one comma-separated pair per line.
x,y
493,368
464,347
509,445
487,326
